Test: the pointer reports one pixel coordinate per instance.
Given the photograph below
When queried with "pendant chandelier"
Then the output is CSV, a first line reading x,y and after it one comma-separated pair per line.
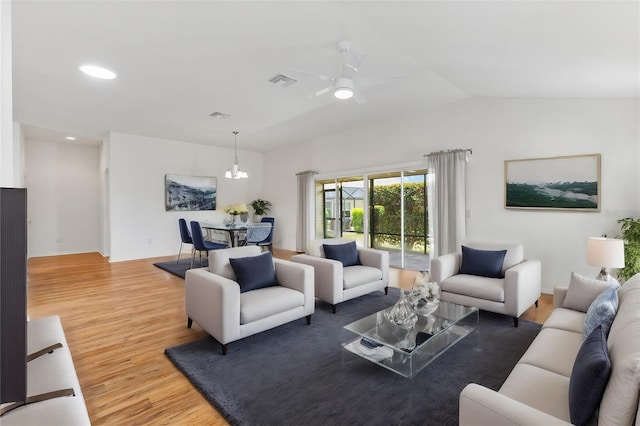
x,y
235,172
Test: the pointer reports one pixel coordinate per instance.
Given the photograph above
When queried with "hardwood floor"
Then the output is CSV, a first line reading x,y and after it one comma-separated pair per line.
x,y
118,319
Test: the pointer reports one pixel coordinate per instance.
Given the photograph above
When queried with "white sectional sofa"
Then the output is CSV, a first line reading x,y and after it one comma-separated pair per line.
x,y
49,372
537,389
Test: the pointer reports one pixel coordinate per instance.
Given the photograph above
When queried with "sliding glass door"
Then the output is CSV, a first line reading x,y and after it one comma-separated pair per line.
x,y
342,209
415,221
352,209
386,211
398,217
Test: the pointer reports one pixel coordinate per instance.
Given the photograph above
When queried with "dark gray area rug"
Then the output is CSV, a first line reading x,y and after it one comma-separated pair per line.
x,y
299,375
180,268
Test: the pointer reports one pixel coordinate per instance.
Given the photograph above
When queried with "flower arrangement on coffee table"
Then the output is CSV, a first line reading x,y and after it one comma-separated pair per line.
x,y
425,295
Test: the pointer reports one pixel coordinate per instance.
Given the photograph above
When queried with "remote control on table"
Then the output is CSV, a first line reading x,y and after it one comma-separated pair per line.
x,y
369,343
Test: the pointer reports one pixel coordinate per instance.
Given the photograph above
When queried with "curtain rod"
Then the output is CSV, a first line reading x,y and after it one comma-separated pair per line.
x,y
449,151
307,171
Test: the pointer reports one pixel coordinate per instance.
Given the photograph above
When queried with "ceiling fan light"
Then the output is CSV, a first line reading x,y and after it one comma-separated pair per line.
x,y
343,88
343,93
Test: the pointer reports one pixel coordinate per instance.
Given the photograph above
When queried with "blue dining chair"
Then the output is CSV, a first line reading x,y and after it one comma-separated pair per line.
x,y
268,242
185,237
200,244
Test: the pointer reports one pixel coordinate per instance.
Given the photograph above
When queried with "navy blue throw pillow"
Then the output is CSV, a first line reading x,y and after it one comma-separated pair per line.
x,y
589,377
254,272
484,263
345,253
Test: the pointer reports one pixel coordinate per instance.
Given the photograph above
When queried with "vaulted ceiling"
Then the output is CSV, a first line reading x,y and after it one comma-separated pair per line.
x,y
179,61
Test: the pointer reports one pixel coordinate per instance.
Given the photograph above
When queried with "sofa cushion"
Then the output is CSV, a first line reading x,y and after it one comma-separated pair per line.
x,y
475,286
566,319
540,389
602,312
554,350
354,276
589,377
484,263
219,259
345,253
254,272
262,303
620,401
582,292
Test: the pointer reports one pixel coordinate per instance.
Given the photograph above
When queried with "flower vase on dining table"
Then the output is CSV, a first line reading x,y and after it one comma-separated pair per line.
x,y
230,220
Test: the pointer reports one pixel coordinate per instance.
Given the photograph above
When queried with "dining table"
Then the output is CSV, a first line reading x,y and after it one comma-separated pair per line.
x,y
233,229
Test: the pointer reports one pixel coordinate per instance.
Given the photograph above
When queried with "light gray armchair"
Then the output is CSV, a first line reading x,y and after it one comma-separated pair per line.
x,y
512,294
214,299
336,283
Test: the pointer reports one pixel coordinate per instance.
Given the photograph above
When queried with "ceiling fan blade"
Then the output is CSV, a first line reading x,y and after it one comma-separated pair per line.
x,y
378,80
313,74
358,96
319,93
322,91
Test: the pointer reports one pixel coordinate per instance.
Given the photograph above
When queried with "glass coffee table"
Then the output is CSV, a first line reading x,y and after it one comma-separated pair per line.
x,y
406,351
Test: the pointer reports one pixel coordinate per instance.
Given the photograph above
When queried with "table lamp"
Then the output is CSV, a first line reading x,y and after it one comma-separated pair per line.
x,y
605,253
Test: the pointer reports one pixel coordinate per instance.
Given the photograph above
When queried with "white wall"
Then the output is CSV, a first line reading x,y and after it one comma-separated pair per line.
x,y
497,130
140,226
104,236
10,171
62,183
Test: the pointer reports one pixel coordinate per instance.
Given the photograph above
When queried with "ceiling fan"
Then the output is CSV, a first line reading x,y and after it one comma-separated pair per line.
x,y
344,86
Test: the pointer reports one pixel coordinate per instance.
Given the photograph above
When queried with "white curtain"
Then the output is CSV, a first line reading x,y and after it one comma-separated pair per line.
x,y
446,198
305,219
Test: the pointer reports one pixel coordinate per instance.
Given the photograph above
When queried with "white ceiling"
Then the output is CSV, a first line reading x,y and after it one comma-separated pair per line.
x,y
179,61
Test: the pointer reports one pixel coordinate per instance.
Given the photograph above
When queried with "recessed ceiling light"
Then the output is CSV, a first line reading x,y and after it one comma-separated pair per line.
x,y
71,138
97,72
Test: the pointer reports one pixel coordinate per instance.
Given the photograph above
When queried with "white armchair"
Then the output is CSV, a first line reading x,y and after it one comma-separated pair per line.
x,y
336,283
214,301
518,289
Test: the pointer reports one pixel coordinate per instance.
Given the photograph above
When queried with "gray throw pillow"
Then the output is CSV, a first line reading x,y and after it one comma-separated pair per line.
x,y
582,292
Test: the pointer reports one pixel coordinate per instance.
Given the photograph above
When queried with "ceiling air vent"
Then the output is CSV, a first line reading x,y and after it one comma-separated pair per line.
x,y
282,80
220,115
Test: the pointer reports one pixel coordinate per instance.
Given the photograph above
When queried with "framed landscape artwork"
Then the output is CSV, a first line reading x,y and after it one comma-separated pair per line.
x,y
556,183
190,193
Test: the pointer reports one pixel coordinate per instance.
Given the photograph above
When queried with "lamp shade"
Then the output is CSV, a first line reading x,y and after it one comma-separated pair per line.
x,y
605,252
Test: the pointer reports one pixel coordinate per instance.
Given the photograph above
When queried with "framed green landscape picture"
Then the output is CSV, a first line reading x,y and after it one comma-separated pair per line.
x,y
555,183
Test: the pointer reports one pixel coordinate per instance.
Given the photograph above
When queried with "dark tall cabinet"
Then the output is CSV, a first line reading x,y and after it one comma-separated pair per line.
x,y
13,294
